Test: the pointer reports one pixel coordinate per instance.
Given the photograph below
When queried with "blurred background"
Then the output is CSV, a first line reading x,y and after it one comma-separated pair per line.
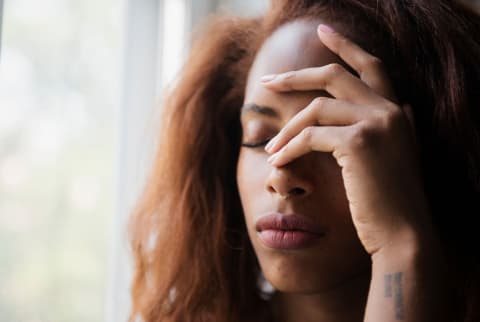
x,y
79,82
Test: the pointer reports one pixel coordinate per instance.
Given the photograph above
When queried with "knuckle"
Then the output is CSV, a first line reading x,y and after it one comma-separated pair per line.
x,y
371,133
286,85
287,80
319,102
307,134
319,108
333,70
363,136
388,118
374,63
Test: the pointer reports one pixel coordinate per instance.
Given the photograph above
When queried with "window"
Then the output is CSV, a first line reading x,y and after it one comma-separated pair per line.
x,y
59,95
79,85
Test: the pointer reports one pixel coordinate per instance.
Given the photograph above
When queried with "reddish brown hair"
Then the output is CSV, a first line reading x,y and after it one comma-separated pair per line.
x,y
193,259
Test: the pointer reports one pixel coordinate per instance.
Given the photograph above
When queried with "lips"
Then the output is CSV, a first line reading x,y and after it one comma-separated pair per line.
x,y
288,232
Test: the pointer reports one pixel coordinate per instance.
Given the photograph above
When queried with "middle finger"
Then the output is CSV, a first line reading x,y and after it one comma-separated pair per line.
x,y
321,111
333,78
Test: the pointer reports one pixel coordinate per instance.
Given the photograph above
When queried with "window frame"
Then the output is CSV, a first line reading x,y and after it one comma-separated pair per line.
x,y
139,90
1,24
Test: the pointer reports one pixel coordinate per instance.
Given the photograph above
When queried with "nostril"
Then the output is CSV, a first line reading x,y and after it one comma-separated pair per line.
x,y
271,189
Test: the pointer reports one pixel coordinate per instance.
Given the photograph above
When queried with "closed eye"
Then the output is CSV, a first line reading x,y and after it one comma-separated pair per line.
x,y
256,145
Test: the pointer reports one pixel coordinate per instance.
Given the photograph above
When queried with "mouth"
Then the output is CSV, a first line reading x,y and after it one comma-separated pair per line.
x,y
288,232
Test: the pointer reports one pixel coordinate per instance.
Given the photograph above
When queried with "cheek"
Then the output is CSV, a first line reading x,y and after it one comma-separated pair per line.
x,y
252,170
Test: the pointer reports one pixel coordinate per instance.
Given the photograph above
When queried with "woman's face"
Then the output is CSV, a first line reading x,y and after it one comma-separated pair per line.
x,y
297,215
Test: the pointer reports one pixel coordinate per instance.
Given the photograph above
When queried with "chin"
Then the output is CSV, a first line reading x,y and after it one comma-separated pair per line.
x,y
306,272
297,278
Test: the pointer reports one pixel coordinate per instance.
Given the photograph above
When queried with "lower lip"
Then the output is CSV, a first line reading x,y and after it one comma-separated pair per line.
x,y
288,239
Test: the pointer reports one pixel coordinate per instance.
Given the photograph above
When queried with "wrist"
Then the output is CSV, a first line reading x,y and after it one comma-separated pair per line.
x,y
409,276
410,239
410,246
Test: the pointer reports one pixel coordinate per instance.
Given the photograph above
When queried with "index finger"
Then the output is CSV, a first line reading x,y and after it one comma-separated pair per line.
x,y
369,68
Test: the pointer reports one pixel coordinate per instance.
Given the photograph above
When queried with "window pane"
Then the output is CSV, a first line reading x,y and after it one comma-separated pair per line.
x,y
59,89
244,7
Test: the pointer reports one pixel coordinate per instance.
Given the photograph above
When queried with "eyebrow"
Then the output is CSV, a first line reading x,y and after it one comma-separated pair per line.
x,y
263,110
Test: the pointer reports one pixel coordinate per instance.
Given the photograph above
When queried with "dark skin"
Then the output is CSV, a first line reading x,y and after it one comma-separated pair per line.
x,y
342,152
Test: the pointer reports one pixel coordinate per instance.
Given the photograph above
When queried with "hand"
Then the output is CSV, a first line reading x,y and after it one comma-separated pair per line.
x,y
369,135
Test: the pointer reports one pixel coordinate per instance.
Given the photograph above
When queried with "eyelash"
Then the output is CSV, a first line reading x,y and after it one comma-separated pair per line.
x,y
256,145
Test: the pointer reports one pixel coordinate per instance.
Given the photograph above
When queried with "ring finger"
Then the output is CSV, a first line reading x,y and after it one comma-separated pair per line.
x,y
321,111
312,138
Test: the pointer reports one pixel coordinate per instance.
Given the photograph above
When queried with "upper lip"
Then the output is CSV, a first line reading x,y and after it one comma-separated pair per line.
x,y
279,221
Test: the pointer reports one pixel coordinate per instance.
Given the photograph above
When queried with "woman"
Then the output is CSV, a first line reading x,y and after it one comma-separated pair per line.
x,y
361,206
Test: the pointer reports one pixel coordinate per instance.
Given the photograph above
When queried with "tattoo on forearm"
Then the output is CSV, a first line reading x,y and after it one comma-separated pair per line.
x,y
394,288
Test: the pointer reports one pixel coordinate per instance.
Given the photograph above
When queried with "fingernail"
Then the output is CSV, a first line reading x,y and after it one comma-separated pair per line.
x,y
269,146
268,78
326,29
272,158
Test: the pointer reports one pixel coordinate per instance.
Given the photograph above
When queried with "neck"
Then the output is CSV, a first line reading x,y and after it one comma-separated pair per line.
x,y
344,302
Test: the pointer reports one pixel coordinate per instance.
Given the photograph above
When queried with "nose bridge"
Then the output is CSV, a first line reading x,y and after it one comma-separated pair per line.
x,y
287,182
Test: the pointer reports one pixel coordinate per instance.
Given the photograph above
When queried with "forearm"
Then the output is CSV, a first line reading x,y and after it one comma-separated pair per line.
x,y
408,284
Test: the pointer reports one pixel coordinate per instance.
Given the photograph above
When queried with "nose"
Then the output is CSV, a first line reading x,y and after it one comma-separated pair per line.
x,y
285,183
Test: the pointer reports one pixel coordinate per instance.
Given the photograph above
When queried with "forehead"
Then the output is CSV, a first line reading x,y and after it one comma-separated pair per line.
x,y
294,45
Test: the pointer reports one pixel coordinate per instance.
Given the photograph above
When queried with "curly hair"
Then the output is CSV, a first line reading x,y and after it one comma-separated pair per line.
x,y
193,258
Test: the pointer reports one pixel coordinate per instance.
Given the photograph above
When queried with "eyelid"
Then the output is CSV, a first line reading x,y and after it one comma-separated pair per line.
x,y
257,133
257,144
